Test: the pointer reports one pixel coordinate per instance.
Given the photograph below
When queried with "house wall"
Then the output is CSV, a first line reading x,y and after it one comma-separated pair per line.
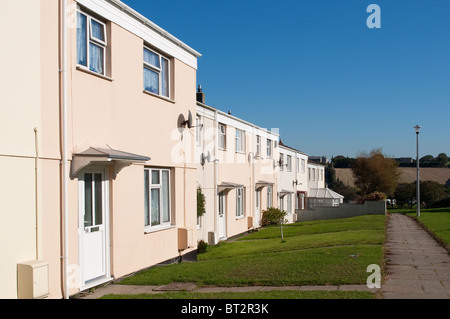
x,y
316,175
29,157
103,112
227,165
115,112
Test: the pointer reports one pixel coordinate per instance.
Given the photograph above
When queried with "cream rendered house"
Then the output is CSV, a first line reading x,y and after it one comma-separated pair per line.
x,y
292,181
236,172
98,176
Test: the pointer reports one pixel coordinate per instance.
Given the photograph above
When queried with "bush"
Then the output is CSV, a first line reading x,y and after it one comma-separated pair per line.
x,y
201,247
375,196
272,216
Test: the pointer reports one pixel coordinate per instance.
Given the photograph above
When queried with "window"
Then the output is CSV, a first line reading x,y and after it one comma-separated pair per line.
x,y
281,161
269,148
222,136
239,202
157,197
269,196
91,43
313,174
303,165
288,163
258,145
240,141
156,73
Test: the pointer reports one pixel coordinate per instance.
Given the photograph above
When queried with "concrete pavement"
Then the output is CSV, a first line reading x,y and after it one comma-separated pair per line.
x,y
417,267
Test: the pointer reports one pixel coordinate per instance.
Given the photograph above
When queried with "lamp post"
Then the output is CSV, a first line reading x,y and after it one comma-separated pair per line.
x,y
417,128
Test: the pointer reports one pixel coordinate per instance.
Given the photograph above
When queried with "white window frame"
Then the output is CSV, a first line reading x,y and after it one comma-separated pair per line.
x,y
222,136
297,164
258,145
240,141
303,163
269,148
96,41
240,198
289,163
159,71
162,225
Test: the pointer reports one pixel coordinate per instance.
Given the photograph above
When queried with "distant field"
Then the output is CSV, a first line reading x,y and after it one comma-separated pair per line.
x,y
407,175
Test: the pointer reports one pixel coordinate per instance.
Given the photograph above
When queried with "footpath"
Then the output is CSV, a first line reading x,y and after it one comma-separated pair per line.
x,y
417,267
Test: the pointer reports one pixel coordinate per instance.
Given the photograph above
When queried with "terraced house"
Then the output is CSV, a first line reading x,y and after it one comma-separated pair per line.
x,y
97,182
236,171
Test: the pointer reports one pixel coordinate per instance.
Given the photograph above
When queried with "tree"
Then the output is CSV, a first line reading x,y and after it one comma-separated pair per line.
x,y
431,192
442,159
405,193
375,173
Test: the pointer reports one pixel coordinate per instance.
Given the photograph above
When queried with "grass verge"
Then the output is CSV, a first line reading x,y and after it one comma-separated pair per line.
x,y
313,253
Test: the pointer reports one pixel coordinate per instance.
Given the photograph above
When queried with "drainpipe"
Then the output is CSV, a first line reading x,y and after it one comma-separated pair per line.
x,y
36,201
64,163
216,195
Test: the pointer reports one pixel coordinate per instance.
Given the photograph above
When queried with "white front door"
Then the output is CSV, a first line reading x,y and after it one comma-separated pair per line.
x,y
258,209
222,217
93,221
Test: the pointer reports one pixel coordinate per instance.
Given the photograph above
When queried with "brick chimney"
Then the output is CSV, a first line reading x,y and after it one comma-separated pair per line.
x,y
200,95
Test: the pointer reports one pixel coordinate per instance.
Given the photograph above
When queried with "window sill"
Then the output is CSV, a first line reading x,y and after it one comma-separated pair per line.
x,y
149,230
85,70
240,217
159,96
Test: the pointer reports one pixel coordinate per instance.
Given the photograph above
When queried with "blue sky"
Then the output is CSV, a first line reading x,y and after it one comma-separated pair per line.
x,y
316,72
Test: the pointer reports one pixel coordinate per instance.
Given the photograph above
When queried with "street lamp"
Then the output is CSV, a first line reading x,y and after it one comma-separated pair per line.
x,y
417,128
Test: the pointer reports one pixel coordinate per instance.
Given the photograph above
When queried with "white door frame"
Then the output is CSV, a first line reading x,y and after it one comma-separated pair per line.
x,y
223,219
258,208
86,283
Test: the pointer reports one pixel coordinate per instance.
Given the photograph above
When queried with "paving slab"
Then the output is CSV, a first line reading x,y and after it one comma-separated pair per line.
x,y
417,267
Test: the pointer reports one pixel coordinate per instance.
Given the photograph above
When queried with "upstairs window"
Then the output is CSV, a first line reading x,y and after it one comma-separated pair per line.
x,y
269,148
91,43
156,73
222,137
240,141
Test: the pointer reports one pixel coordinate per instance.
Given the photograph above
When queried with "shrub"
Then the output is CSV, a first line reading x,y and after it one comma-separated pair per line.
x,y
272,216
201,247
200,202
375,196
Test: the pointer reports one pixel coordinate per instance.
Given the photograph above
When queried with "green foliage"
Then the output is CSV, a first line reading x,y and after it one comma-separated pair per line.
x,y
375,196
201,247
200,202
272,216
375,173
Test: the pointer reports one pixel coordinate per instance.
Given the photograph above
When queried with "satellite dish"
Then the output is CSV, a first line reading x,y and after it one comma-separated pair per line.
x,y
203,159
181,123
189,120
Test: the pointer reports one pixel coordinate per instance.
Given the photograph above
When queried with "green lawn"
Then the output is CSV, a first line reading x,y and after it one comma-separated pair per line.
x,y
436,220
313,253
